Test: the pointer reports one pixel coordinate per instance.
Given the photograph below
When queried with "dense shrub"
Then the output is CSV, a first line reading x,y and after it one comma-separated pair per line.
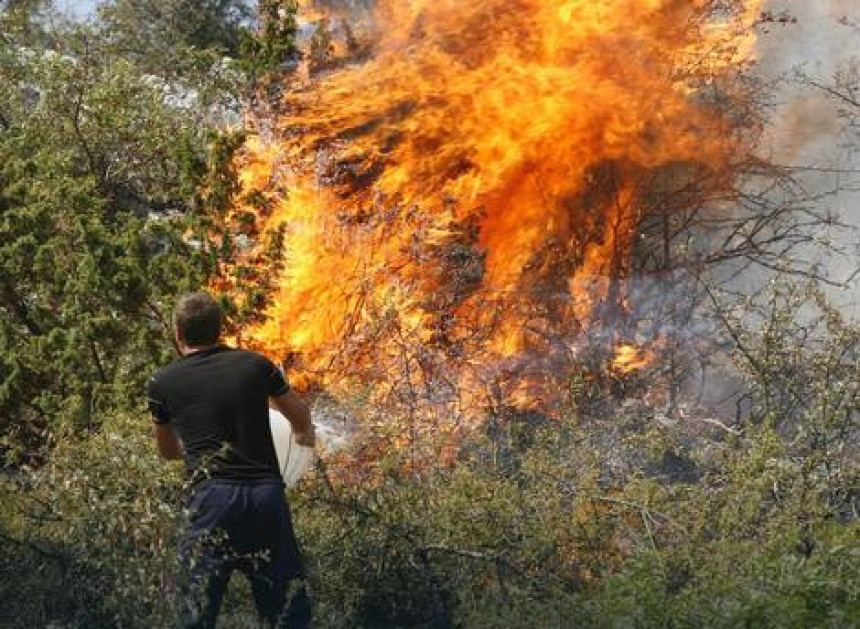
x,y
98,525
545,531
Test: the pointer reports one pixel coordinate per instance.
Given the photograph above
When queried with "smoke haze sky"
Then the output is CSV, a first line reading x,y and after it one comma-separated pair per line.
x,y
807,129
78,7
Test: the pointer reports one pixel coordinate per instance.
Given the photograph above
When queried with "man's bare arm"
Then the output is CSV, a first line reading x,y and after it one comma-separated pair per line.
x,y
169,445
299,416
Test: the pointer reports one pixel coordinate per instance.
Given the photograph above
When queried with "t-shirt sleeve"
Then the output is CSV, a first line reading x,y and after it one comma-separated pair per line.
x,y
277,382
155,403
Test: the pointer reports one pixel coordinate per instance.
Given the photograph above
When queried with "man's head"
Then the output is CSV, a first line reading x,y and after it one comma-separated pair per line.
x,y
197,320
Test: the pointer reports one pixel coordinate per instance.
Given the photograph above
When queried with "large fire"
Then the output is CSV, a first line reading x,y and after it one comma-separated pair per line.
x,y
456,204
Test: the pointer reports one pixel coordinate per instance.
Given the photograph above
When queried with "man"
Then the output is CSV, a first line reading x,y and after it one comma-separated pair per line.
x,y
211,406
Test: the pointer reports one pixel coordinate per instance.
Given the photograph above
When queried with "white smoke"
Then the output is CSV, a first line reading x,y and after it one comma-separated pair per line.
x,y
809,130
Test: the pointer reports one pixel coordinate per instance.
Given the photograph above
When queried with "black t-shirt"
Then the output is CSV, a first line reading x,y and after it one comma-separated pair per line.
x,y
216,400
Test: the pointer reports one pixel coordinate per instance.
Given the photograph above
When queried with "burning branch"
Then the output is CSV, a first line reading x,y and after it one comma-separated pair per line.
x,y
473,201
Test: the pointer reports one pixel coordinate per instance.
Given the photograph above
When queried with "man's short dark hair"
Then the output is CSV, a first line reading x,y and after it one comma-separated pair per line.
x,y
197,319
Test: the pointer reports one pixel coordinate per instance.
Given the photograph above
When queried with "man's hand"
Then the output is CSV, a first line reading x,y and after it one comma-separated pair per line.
x,y
306,438
299,416
169,445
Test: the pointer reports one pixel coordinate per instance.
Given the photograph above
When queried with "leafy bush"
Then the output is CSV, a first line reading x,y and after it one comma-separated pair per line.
x,y
538,527
97,532
548,531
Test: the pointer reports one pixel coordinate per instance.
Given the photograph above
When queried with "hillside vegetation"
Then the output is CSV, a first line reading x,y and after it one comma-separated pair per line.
x,y
117,175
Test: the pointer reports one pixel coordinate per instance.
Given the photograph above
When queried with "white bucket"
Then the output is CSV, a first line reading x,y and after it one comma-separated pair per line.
x,y
293,460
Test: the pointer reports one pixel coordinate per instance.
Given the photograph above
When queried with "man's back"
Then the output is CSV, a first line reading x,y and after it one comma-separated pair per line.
x,y
211,406
216,399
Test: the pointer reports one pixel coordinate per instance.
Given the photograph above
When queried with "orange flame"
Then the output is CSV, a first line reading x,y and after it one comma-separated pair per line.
x,y
467,194
629,358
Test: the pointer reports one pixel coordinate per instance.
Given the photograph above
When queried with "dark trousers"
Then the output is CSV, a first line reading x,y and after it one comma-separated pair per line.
x,y
246,527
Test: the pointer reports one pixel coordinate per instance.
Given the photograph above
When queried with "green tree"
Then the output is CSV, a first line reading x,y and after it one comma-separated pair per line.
x,y
273,43
161,36
116,175
100,226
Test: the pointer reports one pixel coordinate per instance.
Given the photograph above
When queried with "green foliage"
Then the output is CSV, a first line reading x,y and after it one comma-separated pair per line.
x,y
274,43
550,531
115,196
163,36
533,525
101,226
90,537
